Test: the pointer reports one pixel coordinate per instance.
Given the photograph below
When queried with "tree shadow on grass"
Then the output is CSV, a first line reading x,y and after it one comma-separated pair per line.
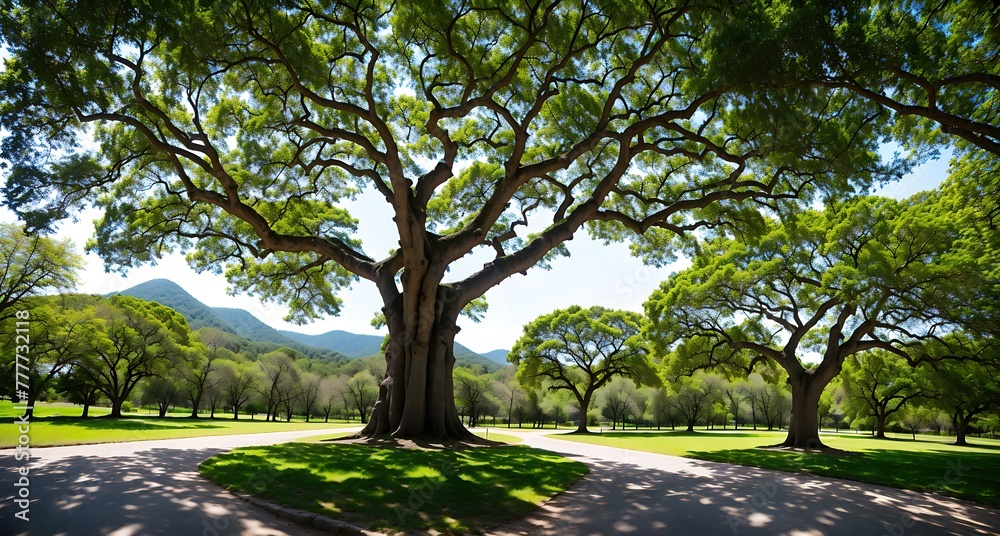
x,y
449,491
708,435
965,475
131,423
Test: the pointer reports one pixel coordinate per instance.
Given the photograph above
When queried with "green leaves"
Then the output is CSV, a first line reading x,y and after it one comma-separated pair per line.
x,y
581,349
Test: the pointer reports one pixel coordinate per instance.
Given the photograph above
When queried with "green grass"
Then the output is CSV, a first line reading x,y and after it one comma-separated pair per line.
x,y
395,489
927,464
60,424
497,436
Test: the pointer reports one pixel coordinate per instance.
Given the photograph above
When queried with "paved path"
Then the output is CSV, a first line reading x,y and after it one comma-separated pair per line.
x,y
137,488
639,493
152,487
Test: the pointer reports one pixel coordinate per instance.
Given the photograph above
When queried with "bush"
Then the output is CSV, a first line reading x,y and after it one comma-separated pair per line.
x,y
128,407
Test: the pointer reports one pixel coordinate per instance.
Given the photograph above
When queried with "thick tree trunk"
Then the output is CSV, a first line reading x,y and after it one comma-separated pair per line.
x,y
581,428
803,427
416,397
880,427
116,408
961,426
86,409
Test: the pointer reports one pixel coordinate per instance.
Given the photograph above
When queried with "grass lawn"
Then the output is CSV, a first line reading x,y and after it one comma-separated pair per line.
x,y
928,464
60,424
399,489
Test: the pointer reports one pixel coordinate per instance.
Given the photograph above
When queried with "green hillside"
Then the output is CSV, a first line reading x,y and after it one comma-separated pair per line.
x,y
166,292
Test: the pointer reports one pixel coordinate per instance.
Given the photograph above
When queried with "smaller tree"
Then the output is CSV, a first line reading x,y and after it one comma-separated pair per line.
x,y
579,350
363,389
693,396
470,393
238,384
966,390
310,386
163,392
881,384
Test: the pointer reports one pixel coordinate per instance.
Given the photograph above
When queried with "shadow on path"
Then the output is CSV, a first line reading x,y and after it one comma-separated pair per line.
x,y
638,493
156,491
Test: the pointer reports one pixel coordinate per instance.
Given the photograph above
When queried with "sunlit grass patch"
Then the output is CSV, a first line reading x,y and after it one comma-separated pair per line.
x,y
451,491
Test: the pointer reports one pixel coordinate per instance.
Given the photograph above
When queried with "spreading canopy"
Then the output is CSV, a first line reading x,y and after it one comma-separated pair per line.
x,y
238,132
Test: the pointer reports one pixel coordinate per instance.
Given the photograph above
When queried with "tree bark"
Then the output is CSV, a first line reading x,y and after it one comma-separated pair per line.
x,y
803,426
961,426
581,428
416,397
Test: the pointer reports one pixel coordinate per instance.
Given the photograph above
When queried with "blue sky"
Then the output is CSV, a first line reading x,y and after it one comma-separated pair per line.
x,y
595,274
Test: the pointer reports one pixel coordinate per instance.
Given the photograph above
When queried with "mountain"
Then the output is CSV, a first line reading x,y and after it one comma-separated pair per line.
x,y
350,344
354,345
248,326
497,356
235,321
332,345
166,292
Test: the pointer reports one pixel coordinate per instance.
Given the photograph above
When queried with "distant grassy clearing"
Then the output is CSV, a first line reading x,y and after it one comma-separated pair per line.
x,y
395,489
68,428
928,464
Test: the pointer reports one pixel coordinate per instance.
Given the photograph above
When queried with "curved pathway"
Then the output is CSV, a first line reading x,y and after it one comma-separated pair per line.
x,y
639,493
153,487
138,488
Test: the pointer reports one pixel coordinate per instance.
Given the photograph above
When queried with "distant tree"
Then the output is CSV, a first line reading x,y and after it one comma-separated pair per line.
x,y
471,392
31,266
881,384
833,404
238,382
579,350
79,388
693,396
617,400
735,394
310,386
363,389
660,407
278,376
916,419
161,391
199,368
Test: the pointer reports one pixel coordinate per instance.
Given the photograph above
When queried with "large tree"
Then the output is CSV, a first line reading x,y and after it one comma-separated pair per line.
x,y
580,350
59,328
133,340
859,275
238,130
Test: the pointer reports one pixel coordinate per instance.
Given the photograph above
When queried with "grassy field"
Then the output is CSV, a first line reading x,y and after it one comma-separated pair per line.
x,y
59,424
396,490
927,464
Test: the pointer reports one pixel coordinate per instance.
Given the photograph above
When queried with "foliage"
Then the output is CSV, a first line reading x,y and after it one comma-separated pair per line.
x,y
32,265
579,350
